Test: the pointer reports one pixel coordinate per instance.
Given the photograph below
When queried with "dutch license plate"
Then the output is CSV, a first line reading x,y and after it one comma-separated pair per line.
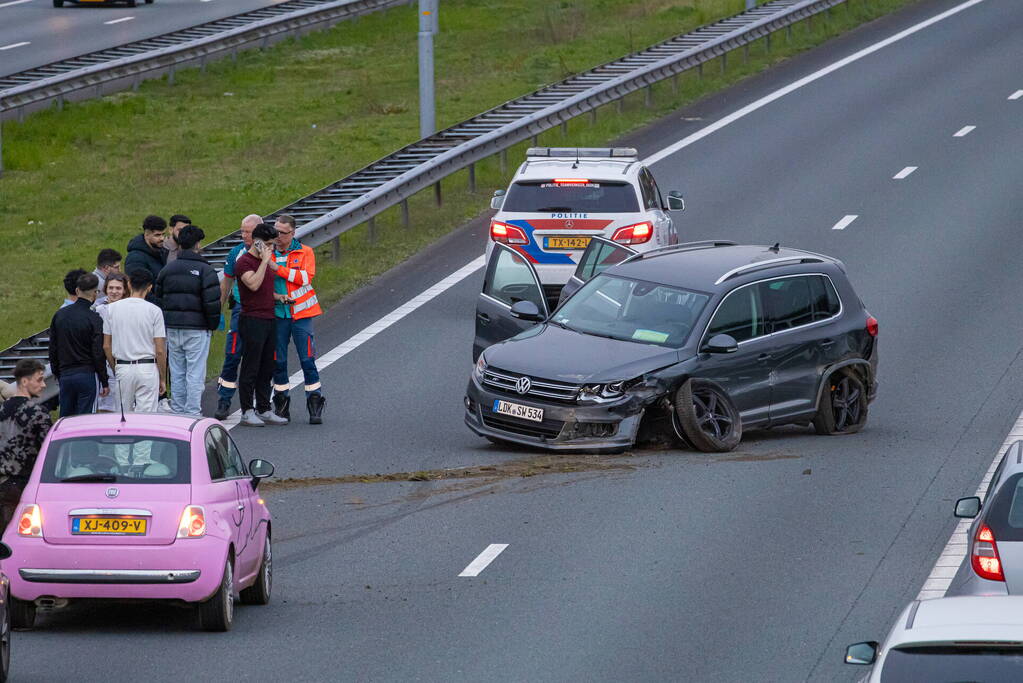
x,y
565,242
519,411
108,525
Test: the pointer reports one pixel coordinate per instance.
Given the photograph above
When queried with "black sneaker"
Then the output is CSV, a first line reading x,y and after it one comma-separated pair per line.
x,y
223,409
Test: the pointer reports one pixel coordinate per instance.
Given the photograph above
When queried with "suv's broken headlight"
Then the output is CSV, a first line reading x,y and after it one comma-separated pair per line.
x,y
481,367
602,392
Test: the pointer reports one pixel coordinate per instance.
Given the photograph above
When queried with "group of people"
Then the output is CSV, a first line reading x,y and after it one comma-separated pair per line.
x,y
125,338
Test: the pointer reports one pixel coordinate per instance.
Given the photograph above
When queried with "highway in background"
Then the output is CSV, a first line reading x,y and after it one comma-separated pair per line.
x,y
34,32
757,565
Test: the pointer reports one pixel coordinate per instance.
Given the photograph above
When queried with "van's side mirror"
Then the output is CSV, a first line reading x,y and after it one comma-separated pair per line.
x,y
260,469
526,310
675,201
721,343
967,507
861,653
498,199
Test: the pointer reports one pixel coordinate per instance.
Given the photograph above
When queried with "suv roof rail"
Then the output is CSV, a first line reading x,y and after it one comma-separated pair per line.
x,y
684,246
770,263
584,152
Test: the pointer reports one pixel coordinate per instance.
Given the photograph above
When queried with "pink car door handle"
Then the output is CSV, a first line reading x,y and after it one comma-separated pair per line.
x,y
241,507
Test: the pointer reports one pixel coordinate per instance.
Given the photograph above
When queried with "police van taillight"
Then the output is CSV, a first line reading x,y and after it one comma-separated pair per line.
x,y
507,234
634,234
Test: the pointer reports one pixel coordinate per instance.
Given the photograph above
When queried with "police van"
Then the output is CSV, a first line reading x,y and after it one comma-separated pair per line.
x,y
562,197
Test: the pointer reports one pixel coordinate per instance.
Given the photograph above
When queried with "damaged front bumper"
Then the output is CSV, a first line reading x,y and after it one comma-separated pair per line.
x,y
569,427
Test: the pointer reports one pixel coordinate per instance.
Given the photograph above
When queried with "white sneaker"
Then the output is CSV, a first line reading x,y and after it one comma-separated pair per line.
x,y
250,419
272,418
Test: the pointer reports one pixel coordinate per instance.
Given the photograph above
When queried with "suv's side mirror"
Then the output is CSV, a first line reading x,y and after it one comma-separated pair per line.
x,y
675,201
526,310
861,653
260,469
721,343
498,200
967,507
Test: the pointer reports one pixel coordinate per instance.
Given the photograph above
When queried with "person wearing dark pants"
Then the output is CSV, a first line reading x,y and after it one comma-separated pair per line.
x,y
76,350
24,424
257,326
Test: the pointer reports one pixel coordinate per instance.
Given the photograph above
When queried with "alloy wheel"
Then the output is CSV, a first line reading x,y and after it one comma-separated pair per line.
x,y
712,415
845,403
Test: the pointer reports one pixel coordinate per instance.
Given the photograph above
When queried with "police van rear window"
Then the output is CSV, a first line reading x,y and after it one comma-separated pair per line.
x,y
571,195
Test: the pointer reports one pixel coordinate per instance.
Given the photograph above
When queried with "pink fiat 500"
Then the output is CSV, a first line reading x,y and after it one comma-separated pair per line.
x,y
156,506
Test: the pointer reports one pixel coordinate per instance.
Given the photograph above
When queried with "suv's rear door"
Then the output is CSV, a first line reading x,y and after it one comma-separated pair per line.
x,y
599,255
509,278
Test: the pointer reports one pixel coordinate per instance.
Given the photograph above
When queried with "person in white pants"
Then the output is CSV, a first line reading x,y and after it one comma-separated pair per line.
x,y
135,343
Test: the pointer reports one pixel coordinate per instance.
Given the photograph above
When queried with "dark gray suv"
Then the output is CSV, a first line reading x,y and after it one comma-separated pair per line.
x,y
697,341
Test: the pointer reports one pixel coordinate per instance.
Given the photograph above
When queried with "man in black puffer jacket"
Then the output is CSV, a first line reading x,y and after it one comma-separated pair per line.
x,y
145,251
188,291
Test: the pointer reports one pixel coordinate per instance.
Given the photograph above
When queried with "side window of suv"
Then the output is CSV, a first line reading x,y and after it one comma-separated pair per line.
x,y
825,299
649,190
510,280
740,315
599,257
788,302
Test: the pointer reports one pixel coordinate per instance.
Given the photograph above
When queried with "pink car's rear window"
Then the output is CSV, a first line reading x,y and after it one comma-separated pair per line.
x,y
123,458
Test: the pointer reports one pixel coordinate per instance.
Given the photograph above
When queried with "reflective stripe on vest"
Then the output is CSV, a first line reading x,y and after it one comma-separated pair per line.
x,y
308,303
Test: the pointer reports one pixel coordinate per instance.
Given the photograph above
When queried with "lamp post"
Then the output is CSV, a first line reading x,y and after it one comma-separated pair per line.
x,y
427,29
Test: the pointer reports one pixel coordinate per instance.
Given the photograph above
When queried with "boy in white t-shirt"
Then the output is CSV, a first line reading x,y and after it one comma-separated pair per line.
x,y
135,343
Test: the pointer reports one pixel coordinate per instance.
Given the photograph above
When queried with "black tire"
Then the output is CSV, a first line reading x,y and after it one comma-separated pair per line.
x,y
130,3
843,406
217,613
707,419
149,2
259,592
58,3
5,643
22,613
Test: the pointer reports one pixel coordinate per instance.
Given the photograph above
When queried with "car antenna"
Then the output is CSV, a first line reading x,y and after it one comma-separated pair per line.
x,y
120,400
776,248
575,164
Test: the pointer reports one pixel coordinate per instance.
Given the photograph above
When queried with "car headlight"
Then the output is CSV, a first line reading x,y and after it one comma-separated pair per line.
x,y
481,367
602,392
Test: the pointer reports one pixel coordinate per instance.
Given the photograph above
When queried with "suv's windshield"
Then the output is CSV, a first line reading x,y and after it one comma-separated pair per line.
x,y
124,458
987,662
589,196
632,310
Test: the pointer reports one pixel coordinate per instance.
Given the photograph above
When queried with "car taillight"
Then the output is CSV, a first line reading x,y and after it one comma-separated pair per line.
x,y
31,522
507,234
634,234
193,522
984,557
871,326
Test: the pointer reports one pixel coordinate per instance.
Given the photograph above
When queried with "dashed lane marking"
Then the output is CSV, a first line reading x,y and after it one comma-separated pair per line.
x,y
13,2
964,131
14,45
1016,95
904,173
484,559
845,222
118,21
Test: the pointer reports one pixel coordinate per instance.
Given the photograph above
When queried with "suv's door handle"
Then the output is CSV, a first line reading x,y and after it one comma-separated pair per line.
x,y
764,356
483,318
827,342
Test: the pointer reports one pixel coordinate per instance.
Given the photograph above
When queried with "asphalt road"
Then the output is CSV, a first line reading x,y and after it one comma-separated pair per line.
x,y
758,565
34,32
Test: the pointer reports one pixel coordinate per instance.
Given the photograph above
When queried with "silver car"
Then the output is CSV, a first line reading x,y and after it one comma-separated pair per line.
x,y
948,639
994,564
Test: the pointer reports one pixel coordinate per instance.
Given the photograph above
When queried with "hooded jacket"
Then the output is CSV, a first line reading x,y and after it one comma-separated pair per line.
x,y
141,255
188,291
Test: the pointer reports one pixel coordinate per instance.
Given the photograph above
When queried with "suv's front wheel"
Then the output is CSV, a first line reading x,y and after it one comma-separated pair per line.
x,y
706,418
843,406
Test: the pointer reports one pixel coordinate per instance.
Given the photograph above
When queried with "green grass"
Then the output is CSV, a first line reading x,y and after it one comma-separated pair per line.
x,y
252,135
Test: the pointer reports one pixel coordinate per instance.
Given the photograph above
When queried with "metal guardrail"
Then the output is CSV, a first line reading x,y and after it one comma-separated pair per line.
x,y
115,68
324,215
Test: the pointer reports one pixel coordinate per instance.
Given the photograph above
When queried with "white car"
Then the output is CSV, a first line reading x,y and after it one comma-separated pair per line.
x,y
562,196
949,639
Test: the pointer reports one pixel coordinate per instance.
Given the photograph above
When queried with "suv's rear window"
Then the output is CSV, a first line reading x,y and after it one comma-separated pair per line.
x,y
986,662
593,196
124,459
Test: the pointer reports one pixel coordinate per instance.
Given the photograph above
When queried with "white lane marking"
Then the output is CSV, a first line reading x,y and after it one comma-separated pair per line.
x,y
964,131
767,99
844,223
484,559
14,45
357,340
118,21
955,550
1014,96
14,2
904,172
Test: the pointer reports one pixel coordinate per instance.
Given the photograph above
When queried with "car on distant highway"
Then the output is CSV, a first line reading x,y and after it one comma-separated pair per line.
x,y
699,340
994,564
561,197
946,640
141,507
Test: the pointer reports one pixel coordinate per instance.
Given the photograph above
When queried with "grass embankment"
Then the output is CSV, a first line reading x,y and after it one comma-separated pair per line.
x,y
253,135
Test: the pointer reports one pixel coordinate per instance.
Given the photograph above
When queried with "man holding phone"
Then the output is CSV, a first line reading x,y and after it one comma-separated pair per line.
x,y
295,309
257,326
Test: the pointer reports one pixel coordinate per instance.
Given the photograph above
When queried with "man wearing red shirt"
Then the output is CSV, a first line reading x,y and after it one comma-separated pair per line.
x,y
257,326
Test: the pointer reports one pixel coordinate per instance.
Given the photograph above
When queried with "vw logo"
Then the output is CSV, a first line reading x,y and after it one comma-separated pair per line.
x,y
523,385
112,492
569,224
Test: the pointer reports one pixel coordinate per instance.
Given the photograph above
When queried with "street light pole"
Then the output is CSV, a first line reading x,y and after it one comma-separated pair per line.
x,y
750,4
427,28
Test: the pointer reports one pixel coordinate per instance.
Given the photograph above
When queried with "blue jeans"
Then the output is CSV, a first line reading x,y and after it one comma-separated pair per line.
x,y
186,358
77,392
301,331
228,382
